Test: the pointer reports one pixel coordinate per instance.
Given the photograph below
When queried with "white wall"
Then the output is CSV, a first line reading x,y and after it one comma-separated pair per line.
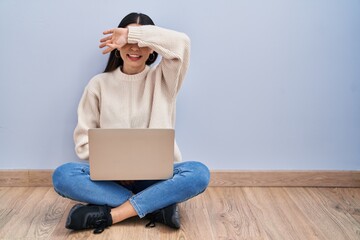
x,y
272,84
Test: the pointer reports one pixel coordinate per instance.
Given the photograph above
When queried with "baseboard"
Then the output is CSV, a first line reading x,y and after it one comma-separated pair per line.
x,y
25,178
286,178
42,178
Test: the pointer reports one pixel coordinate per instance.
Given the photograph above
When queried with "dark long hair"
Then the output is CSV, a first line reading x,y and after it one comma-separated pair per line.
x,y
139,18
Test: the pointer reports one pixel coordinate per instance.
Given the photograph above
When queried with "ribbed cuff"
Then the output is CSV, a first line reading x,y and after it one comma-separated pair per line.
x,y
134,34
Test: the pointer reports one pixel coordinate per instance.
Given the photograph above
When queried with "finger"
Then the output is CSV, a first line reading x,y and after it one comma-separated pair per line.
x,y
107,50
102,45
105,39
105,43
113,46
108,31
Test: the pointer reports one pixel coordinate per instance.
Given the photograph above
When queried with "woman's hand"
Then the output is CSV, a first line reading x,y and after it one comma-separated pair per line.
x,y
116,40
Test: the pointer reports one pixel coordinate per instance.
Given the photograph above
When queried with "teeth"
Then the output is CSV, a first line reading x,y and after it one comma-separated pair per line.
x,y
134,56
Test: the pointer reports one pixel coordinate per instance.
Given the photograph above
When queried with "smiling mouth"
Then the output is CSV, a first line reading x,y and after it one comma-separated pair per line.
x,y
133,57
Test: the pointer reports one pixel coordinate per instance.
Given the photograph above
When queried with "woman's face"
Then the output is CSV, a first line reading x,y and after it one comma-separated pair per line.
x,y
134,57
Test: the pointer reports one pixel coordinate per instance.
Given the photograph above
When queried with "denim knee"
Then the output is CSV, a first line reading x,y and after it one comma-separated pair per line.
x,y
60,176
200,177
204,175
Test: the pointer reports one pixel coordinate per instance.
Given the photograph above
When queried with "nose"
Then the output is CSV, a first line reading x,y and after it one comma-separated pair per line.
x,y
134,47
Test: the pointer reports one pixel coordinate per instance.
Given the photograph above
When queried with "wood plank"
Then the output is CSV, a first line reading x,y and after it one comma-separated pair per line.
x,y
42,178
249,224
50,211
18,226
195,219
352,199
316,211
3,190
11,203
338,207
60,232
278,215
226,216
35,213
218,213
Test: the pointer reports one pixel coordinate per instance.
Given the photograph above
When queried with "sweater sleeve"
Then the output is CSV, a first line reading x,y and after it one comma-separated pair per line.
x,y
174,47
88,117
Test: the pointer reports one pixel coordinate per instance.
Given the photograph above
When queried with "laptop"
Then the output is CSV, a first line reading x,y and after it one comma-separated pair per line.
x,y
131,154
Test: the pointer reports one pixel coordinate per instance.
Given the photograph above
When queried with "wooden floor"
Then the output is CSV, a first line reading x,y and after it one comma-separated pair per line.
x,y
219,213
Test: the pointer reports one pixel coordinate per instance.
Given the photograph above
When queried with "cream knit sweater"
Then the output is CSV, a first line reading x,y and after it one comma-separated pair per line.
x,y
143,100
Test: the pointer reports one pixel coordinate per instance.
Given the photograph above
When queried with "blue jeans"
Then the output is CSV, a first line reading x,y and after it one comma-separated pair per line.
x,y
72,180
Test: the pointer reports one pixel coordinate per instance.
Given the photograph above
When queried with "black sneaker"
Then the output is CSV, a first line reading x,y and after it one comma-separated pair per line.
x,y
169,216
89,216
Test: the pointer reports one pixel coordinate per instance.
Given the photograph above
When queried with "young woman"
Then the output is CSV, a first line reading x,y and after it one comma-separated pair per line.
x,y
130,94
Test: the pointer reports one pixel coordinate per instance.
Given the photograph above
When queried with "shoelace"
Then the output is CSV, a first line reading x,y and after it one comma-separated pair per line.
x,y
99,224
150,224
100,228
154,218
